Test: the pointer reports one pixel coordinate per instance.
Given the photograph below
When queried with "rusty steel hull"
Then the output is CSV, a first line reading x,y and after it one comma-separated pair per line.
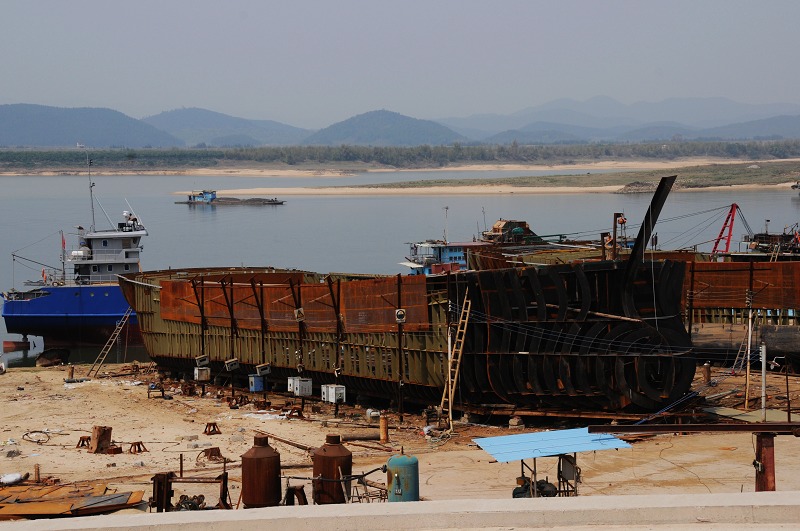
x,y
715,297
718,297
581,335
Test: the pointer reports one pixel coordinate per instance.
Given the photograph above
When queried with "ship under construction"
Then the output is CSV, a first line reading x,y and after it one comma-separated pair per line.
x,y
597,335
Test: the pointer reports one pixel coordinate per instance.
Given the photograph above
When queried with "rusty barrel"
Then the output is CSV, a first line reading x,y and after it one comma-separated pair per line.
x,y
329,459
261,474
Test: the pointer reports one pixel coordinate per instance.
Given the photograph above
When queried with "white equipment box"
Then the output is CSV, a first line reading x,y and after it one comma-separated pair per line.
x,y
299,386
333,393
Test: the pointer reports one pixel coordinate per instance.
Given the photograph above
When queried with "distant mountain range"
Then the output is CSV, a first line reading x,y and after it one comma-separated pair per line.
x,y
23,125
199,126
384,128
563,121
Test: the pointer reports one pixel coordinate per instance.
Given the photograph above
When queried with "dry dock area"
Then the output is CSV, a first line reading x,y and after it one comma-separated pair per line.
x,y
44,419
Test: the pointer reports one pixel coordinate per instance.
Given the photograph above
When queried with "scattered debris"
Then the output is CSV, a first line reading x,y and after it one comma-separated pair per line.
x,y
13,479
211,454
36,436
25,500
212,429
137,448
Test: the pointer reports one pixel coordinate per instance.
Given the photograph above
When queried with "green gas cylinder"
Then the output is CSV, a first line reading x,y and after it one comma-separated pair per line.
x,y
402,478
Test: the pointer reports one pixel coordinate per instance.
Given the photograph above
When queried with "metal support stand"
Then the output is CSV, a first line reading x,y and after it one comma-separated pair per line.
x,y
765,462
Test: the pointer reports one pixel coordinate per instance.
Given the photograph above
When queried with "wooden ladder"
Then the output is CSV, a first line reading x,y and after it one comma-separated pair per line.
x,y
101,357
741,361
454,364
776,251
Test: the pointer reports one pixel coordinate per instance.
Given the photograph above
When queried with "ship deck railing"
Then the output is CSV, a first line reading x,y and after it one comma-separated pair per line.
x,y
109,255
82,280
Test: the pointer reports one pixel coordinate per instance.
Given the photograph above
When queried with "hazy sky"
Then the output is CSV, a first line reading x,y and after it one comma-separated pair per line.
x,y
313,63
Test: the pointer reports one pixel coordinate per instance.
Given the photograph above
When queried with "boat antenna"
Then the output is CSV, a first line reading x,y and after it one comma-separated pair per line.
x,y
104,213
445,223
483,209
91,184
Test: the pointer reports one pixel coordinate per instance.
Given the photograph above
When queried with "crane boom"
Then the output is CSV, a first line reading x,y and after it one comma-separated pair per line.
x,y
729,225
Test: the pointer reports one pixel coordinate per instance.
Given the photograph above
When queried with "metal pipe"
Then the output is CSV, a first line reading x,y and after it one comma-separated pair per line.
x,y
384,428
747,350
590,312
763,382
400,352
287,441
362,437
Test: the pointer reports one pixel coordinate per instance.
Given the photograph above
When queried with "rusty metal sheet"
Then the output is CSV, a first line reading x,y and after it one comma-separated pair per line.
x,y
179,302
369,305
28,501
726,284
318,308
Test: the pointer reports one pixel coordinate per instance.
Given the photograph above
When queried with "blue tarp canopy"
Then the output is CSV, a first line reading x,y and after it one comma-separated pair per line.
x,y
522,446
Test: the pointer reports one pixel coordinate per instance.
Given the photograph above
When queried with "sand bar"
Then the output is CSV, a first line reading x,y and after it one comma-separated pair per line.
x,y
253,169
462,190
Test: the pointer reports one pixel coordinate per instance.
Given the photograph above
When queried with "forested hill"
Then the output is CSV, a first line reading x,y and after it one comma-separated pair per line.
x,y
39,126
384,128
42,126
200,126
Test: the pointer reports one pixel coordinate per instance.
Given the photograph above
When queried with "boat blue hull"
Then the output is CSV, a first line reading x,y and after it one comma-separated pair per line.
x,y
71,315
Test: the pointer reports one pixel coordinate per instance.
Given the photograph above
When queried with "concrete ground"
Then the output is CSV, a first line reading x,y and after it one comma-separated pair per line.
x,y
653,512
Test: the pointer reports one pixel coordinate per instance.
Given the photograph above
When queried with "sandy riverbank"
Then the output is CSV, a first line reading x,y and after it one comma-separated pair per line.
x,y
482,190
252,169
37,405
322,172
428,190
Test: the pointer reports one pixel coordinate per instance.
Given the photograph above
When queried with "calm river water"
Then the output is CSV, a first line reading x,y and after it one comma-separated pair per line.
x,y
336,233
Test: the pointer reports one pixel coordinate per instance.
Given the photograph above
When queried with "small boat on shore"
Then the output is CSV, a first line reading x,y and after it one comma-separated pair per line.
x,y
209,197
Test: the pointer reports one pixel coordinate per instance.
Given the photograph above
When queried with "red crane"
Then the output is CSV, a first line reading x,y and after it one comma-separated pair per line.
x,y
729,225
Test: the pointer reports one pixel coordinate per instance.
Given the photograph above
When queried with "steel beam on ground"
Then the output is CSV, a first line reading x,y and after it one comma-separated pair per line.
x,y
778,428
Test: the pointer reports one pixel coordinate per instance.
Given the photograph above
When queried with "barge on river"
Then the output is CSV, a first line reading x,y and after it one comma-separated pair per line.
x,y
209,198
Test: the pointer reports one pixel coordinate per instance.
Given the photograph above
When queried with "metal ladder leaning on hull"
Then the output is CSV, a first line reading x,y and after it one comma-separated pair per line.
x,y
454,364
101,357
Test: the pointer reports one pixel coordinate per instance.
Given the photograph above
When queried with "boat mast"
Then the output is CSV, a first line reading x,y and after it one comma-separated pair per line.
x,y
91,185
445,223
63,257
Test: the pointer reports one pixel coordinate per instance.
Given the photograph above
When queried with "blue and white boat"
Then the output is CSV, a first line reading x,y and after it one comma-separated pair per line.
x,y
433,257
80,302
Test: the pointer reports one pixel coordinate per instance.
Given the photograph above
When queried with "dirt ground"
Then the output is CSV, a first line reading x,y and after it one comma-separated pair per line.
x,y
43,419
